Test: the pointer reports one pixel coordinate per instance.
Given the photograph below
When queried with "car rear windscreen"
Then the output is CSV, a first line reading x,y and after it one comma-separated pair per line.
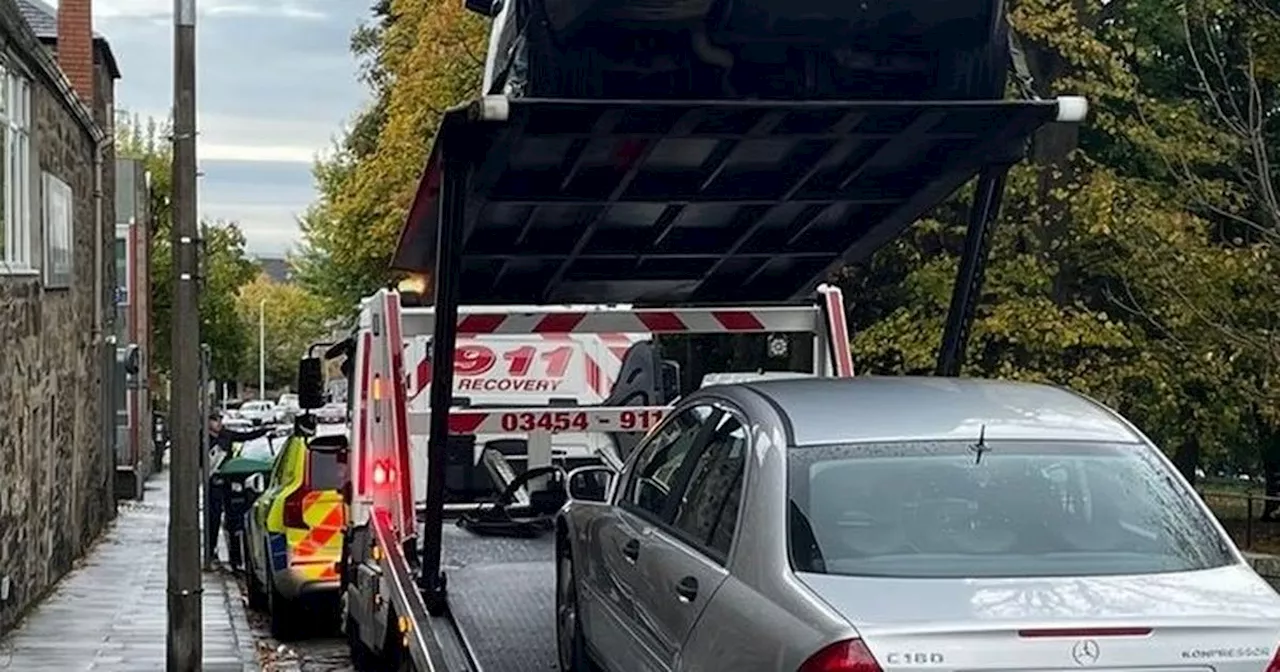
x,y
1009,509
328,469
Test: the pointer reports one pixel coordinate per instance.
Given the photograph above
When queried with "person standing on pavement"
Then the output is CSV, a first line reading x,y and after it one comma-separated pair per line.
x,y
221,439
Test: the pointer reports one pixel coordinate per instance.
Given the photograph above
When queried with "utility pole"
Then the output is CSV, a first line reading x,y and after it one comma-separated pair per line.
x,y
262,350
184,640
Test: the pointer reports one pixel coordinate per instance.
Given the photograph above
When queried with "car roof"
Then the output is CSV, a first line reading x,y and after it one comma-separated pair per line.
x,y
750,377
873,408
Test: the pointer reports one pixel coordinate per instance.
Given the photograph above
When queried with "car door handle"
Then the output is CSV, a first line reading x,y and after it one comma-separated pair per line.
x,y
631,550
687,589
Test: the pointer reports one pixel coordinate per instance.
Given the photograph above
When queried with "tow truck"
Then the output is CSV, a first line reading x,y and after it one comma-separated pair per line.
x,y
559,218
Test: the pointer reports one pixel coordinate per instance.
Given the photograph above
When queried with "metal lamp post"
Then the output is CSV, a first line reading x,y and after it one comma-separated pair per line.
x,y
262,349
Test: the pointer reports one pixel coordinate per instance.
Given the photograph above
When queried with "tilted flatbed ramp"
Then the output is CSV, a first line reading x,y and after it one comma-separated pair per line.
x,y
579,201
506,614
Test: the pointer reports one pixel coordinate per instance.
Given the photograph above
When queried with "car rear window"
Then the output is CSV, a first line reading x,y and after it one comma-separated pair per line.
x,y
1022,510
258,449
328,469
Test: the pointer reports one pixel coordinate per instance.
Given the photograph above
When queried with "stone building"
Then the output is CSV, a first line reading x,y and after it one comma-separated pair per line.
x,y
56,312
129,393
136,458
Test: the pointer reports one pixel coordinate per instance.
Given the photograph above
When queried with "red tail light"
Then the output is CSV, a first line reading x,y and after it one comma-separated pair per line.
x,y
293,502
851,655
1274,665
383,473
293,509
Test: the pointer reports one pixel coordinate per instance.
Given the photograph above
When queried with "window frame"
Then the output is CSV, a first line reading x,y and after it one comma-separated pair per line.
x,y
52,190
720,411
19,230
281,469
124,233
643,454
727,413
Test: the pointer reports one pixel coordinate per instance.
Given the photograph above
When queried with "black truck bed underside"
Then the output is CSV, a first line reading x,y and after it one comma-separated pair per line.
x,y
572,201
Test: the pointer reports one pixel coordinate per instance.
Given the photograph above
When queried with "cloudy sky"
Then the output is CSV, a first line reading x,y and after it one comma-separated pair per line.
x,y
275,85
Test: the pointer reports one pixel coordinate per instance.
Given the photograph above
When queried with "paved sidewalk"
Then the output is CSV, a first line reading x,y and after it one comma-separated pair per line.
x,y
109,613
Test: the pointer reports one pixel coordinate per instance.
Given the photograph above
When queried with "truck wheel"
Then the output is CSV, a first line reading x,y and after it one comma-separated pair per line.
x,y
396,657
570,642
363,659
282,615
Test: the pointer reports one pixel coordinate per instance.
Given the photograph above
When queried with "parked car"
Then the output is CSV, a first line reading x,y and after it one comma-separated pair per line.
x,y
332,412
287,408
698,49
233,420
259,412
900,523
293,532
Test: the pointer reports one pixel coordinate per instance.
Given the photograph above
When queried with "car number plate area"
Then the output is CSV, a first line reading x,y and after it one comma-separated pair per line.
x,y
1135,668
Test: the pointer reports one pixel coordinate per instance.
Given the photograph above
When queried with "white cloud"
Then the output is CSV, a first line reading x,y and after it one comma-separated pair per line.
x,y
225,137
276,82
285,11
117,9
270,230
256,153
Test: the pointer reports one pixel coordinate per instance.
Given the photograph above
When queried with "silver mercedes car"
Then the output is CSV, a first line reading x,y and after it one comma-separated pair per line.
x,y
883,524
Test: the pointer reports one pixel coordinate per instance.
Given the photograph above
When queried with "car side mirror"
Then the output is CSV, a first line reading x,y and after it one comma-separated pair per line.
x,y
591,484
256,483
489,8
310,383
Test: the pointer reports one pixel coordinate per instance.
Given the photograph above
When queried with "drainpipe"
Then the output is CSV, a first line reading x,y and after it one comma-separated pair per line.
x,y
104,338
98,279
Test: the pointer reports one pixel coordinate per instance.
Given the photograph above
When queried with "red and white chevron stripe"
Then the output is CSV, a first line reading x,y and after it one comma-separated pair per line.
x,y
477,320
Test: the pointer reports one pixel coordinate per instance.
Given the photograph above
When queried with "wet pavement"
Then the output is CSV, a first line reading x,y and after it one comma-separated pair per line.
x,y
324,648
321,652
109,613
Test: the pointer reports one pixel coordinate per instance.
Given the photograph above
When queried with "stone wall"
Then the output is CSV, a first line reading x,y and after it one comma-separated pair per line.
x,y
55,466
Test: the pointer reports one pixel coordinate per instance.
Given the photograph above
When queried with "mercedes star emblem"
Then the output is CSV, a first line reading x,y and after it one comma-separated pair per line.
x,y
1085,652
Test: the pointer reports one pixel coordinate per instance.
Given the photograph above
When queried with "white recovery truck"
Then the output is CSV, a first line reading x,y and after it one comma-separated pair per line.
x,y
557,218
598,383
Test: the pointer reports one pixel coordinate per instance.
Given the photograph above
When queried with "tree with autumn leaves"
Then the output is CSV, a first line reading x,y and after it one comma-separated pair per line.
x,y
419,58
232,284
225,265
1134,258
291,319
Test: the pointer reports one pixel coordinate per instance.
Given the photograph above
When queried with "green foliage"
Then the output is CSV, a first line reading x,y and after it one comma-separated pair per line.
x,y
421,57
292,319
225,267
1135,256
1110,272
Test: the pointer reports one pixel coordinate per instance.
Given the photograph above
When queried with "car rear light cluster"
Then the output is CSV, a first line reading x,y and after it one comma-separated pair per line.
x,y
293,509
1274,665
850,655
